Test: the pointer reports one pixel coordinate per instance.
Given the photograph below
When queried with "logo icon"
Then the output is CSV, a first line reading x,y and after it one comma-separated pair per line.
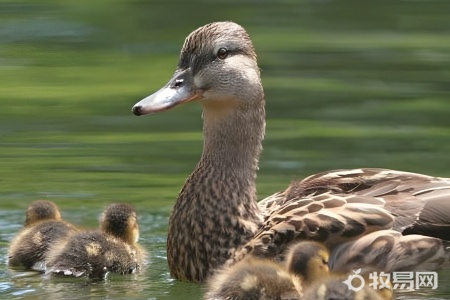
x,y
349,281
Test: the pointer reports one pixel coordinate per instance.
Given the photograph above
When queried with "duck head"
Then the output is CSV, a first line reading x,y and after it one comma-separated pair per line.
x,y
120,220
41,210
309,260
217,67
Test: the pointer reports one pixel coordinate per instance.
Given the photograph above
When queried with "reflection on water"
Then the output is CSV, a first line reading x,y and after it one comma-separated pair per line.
x,y
348,84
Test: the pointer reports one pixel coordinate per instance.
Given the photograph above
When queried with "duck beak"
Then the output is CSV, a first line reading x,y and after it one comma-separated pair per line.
x,y
179,89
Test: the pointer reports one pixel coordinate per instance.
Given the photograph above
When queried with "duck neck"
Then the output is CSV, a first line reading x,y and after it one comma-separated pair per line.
x,y
233,140
216,211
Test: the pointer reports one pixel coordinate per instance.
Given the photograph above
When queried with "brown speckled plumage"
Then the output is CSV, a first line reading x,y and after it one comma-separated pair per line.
x,y
43,228
216,220
219,229
390,251
113,248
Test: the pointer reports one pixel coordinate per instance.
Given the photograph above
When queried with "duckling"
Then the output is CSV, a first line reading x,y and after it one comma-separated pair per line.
x,y
311,261
216,213
262,278
253,279
112,248
43,228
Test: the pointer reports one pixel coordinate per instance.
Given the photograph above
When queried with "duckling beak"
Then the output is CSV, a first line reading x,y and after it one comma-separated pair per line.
x,y
179,89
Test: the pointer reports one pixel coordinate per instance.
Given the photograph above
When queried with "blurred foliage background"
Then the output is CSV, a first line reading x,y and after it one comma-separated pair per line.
x,y
348,84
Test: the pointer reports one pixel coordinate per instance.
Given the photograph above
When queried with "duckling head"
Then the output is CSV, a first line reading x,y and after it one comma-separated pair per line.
x,y
120,220
217,66
41,210
308,260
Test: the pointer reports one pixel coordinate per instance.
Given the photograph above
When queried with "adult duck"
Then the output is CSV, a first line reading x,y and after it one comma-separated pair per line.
x,y
216,219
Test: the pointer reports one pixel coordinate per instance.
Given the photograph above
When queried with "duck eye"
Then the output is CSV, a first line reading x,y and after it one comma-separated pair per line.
x,y
222,53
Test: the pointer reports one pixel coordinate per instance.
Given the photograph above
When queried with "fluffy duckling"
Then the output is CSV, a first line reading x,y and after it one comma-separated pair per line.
x,y
43,228
259,278
310,262
112,248
253,279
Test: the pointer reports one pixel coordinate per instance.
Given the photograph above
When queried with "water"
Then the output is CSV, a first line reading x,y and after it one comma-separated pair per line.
x,y
348,84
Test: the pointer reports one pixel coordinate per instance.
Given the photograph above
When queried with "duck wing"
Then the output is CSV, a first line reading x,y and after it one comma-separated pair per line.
x,y
328,218
390,251
420,204
343,205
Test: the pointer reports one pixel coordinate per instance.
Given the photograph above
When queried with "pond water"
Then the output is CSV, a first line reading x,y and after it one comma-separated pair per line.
x,y
348,84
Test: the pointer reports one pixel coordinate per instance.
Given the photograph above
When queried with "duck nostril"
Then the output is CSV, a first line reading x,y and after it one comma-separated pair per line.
x,y
137,110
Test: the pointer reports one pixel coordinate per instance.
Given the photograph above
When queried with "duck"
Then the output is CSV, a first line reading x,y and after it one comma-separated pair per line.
x,y
217,221
43,228
112,248
303,275
324,276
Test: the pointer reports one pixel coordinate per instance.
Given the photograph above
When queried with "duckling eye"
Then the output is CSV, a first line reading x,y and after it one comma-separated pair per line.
x,y
222,53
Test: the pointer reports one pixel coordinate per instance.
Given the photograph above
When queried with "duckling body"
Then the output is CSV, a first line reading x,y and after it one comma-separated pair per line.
x,y
93,254
216,220
253,279
43,228
113,248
